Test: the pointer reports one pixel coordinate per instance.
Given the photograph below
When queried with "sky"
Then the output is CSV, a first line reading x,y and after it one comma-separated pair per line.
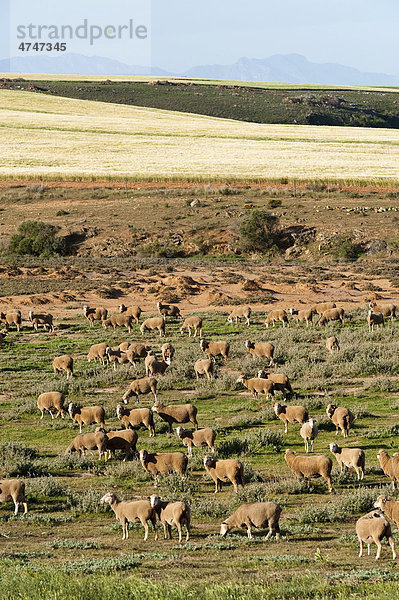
x,y
183,33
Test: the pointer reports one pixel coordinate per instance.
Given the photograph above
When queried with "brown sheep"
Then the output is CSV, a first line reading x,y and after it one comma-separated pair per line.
x,y
204,366
12,318
167,351
163,463
51,401
98,352
261,350
172,513
305,315
168,310
309,466
88,415
115,355
390,507
127,512
240,312
387,310
135,417
374,320
224,471
190,323
133,311
95,314
176,413
213,349
153,366
290,414
3,334
138,349
41,319
259,515
281,382
275,316
89,441
63,363
125,439
198,438
321,307
390,465
153,323
374,527
141,387
257,386
121,320
349,458
341,417
334,314
13,489
332,344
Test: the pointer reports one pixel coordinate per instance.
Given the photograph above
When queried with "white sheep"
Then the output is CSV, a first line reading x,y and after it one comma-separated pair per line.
x,y
259,515
374,527
139,511
190,323
13,489
51,401
223,471
309,466
349,458
172,513
240,312
309,432
198,438
63,363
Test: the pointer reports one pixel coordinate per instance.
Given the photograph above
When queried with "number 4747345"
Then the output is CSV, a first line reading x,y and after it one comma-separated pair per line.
x,y
42,47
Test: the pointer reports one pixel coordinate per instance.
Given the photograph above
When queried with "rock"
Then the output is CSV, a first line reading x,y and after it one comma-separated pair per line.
x,y
375,246
194,203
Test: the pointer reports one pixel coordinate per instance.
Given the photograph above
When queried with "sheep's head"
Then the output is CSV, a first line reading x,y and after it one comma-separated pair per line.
x,y
157,406
334,448
330,410
289,452
262,374
30,314
119,410
159,305
224,528
381,453
249,345
109,498
126,395
209,462
143,455
71,409
154,500
278,408
204,345
292,311
179,431
122,308
85,310
381,500
240,379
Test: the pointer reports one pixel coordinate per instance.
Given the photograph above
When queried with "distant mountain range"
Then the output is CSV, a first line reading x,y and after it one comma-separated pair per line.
x,y
284,68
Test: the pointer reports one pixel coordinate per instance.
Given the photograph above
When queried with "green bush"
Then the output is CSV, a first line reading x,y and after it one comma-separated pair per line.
x,y
259,232
343,247
36,238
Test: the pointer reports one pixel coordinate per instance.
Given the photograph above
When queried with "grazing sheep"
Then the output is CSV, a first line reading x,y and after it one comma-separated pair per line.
x,y
192,323
121,320
374,319
153,323
390,507
334,314
306,315
168,310
309,432
89,441
374,527
275,316
125,439
349,457
135,417
95,314
163,463
41,319
13,489
256,385
3,334
139,511
261,350
387,310
63,363
115,355
332,344
321,307
153,366
213,349
168,352
141,387
138,349
390,465
172,513
133,311
240,312
198,438
87,415
309,466
224,471
176,413
281,382
98,352
204,366
259,515
51,401
290,414
12,318
341,417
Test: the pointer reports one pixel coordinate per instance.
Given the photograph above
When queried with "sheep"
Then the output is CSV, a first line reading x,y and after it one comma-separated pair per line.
x,y
259,515
224,471
390,465
199,438
341,417
154,366
374,319
135,417
41,319
321,307
51,401
172,513
98,352
141,387
3,334
349,457
390,507
192,323
333,314
153,323
256,385
176,413
138,349
308,432
387,310
89,441
87,415
275,316
374,527
280,380
139,511
95,314
63,363
332,344
133,311
13,489
213,349
121,440
12,318
167,351
261,350
163,463
204,366
309,466
290,414
115,355
168,310
241,312
306,315
121,320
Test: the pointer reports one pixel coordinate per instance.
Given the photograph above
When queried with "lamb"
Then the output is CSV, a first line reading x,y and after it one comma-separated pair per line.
x,y
390,465
139,511
51,401
309,431
98,352
223,471
135,417
390,507
168,310
309,466
154,366
374,527
259,515
387,310
121,440
121,320
341,417
349,457
89,441
13,489
333,314
199,438
213,349
332,344
141,387
240,312
321,307
63,363
115,355
275,316
168,351
172,513
281,382
176,413
95,314
261,350
153,323
87,415
290,414
133,311
374,319
204,366
306,315
12,318
190,323
258,386
163,463
41,319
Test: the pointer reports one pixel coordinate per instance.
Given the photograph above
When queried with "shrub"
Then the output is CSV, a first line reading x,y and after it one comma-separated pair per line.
x,y
36,238
259,232
343,247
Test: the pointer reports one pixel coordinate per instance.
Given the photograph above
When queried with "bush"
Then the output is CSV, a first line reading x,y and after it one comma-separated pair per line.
x,y
36,238
344,248
259,232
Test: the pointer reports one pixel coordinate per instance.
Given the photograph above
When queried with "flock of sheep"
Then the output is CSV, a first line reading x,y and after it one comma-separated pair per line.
x,y
371,528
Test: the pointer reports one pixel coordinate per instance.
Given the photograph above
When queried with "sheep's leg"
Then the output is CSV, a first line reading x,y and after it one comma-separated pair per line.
x,y
328,480
146,529
249,531
311,445
178,529
286,427
392,544
52,416
42,415
379,546
25,507
16,507
361,548
277,530
164,530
